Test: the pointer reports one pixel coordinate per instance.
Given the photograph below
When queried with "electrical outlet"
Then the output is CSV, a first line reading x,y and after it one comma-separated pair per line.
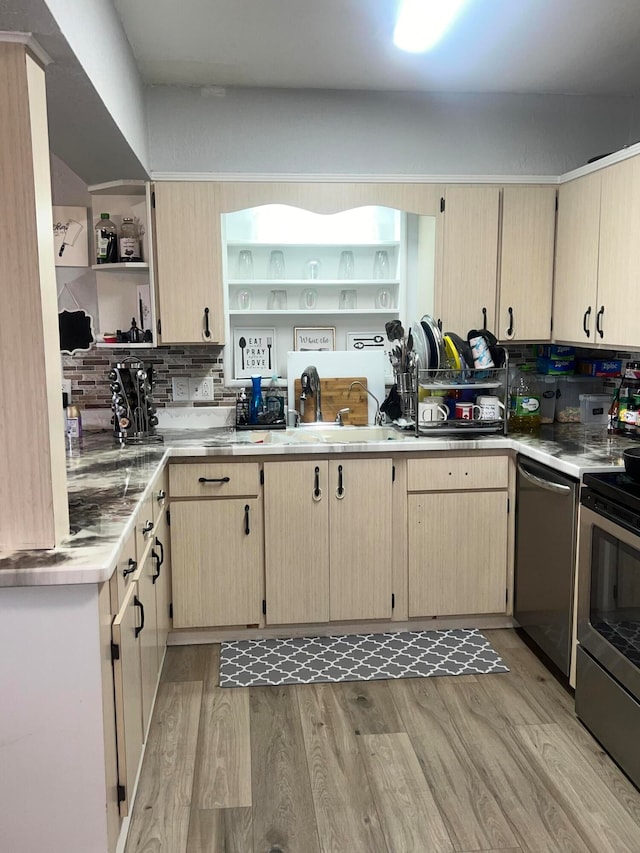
x,y
180,388
201,389
66,389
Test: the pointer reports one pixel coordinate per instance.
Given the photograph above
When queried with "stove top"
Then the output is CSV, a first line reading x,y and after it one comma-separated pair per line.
x,y
617,486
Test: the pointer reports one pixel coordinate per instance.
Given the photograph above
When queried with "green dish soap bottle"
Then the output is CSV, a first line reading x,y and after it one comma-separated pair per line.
x,y
524,403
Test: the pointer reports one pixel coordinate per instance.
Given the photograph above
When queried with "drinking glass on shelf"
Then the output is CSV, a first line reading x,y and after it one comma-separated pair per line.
x,y
383,298
277,300
309,298
312,269
381,264
245,264
348,300
346,266
244,300
276,264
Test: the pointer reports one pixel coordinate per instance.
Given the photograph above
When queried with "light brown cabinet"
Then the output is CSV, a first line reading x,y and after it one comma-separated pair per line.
x,y
188,268
466,293
458,535
596,296
526,263
328,540
217,543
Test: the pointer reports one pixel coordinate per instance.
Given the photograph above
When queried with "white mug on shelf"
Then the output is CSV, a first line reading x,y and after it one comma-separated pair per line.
x,y
430,410
491,408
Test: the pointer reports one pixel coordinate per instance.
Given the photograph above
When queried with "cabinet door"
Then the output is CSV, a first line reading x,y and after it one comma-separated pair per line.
x,y
576,273
162,581
360,538
619,260
188,262
148,636
526,268
217,560
128,691
467,298
296,517
457,553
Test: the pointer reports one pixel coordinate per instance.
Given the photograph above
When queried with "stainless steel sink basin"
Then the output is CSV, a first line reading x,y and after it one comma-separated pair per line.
x,y
343,434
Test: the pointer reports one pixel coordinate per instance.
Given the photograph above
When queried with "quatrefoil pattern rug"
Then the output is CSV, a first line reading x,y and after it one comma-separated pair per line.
x,y
357,657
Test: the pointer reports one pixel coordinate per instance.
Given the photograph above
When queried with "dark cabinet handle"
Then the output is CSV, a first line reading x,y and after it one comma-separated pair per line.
x,y
147,527
132,566
247,531
161,546
139,604
213,479
316,488
599,316
484,319
585,320
207,331
156,574
439,323
510,329
340,489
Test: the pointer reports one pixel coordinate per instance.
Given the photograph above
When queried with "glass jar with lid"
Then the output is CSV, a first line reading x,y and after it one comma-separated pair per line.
x,y
129,243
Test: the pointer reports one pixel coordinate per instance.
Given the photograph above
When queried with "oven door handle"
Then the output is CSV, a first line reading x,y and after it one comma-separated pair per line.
x,y
557,488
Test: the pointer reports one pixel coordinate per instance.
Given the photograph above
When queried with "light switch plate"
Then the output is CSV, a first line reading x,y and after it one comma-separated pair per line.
x,y
180,388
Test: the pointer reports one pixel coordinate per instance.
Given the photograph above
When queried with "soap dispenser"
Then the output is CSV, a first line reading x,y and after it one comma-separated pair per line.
x,y
255,406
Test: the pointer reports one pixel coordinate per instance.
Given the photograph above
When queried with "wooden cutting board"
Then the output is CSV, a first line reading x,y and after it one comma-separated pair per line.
x,y
333,398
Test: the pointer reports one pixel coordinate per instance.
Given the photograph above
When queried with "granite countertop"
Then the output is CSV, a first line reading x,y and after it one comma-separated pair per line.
x,y
106,483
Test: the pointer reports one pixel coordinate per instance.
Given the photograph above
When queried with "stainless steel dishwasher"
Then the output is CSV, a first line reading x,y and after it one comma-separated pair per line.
x,y
546,518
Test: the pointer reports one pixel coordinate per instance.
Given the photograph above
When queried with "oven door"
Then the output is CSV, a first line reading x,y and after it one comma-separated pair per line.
x,y
609,597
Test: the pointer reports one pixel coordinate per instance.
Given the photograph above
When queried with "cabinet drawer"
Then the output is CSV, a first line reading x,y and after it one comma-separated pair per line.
x,y
125,569
457,472
221,479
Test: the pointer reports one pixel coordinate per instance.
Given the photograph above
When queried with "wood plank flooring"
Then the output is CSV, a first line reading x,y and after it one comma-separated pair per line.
x,y
471,764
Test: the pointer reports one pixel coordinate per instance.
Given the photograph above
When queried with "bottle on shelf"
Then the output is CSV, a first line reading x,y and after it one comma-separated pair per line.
x,y
255,405
612,421
524,403
129,243
106,241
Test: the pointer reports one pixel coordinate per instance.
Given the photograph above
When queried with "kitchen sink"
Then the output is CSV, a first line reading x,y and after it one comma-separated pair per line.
x,y
343,434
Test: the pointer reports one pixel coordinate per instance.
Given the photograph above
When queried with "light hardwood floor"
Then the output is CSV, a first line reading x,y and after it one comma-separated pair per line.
x,y
473,763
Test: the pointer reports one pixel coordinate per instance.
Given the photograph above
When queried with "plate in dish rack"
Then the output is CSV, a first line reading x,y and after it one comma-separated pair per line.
x,y
421,346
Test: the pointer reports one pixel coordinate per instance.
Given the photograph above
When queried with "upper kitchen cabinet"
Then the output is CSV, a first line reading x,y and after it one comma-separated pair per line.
x,y
596,297
526,263
466,292
618,294
125,288
189,263
576,272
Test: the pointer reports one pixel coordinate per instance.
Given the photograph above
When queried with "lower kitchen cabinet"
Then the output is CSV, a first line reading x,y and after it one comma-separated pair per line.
x,y
296,534
127,676
148,633
328,540
217,562
161,554
458,535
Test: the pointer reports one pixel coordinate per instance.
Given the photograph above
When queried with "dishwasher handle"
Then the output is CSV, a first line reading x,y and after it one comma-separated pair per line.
x,y
557,488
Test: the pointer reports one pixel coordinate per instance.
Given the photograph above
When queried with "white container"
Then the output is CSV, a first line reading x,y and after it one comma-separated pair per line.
x,y
594,408
570,388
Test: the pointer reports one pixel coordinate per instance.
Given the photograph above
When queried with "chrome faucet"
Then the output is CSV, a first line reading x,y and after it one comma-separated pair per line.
x,y
378,418
310,385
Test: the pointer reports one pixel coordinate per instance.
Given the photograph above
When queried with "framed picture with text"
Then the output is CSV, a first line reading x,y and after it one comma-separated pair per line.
x,y
318,338
254,352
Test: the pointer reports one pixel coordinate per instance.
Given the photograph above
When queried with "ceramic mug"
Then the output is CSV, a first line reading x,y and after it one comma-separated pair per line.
x,y
491,408
465,411
430,410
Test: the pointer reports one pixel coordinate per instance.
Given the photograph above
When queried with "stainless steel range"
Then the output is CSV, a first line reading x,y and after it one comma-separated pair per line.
x,y
608,657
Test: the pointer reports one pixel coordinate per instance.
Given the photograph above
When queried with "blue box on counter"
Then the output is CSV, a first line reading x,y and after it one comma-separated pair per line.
x,y
600,367
555,366
554,352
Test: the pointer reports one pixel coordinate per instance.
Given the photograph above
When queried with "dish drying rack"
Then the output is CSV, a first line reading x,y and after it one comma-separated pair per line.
x,y
463,385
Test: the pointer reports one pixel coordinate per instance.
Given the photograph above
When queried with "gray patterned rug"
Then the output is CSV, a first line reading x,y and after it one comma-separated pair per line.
x,y
357,657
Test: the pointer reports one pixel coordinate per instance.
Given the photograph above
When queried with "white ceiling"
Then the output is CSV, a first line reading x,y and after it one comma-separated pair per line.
x,y
533,46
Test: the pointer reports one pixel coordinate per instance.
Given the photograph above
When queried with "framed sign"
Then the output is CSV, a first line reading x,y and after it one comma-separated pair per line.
x,y
318,338
254,352
70,239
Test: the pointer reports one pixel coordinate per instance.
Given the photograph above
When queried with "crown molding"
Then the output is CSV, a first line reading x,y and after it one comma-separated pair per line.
x,y
609,160
28,40
275,177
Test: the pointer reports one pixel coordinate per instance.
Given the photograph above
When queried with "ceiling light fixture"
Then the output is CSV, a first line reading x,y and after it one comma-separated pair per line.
x,y
422,23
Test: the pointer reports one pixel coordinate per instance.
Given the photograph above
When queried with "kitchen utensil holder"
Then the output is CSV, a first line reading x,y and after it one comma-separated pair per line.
x,y
134,420
406,385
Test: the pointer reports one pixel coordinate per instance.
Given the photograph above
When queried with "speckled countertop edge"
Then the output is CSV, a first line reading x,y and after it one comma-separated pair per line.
x,y
107,483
